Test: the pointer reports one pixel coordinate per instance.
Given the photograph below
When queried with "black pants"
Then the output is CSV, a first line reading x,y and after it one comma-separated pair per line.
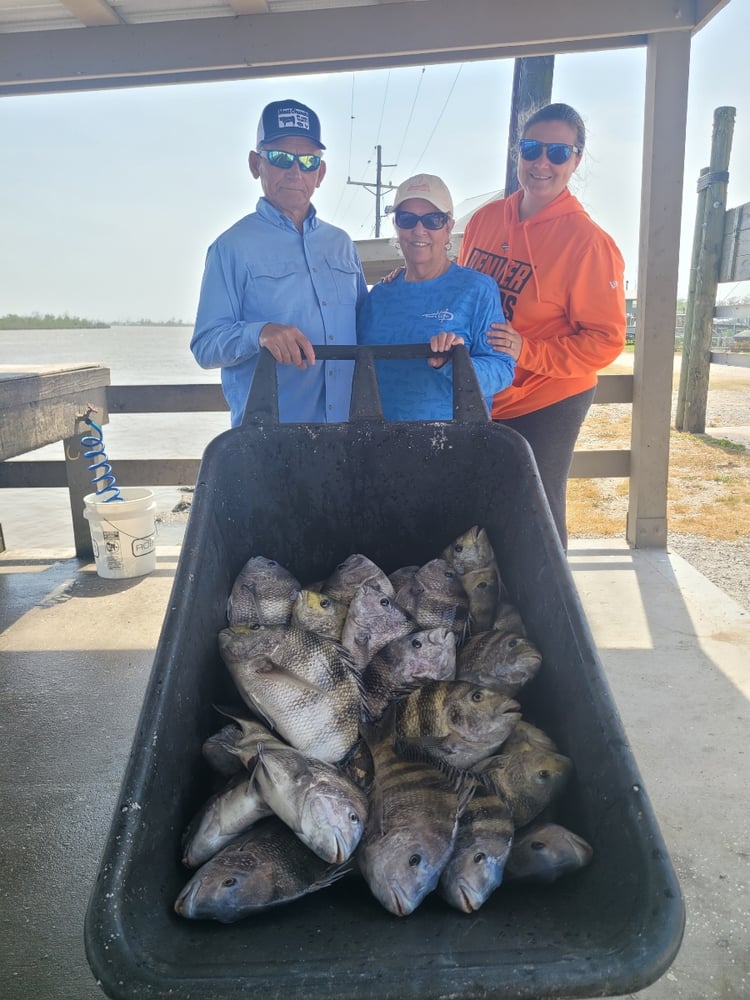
x,y
552,433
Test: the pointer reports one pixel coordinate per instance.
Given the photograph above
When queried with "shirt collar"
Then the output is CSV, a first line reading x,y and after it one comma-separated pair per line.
x,y
269,212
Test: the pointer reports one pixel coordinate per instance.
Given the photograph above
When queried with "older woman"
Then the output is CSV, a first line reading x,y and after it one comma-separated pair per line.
x,y
432,301
561,283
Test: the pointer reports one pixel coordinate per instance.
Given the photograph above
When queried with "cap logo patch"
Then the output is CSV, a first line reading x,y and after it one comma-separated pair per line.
x,y
294,118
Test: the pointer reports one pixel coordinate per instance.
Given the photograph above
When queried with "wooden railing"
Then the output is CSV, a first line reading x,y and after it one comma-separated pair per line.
x,y
72,474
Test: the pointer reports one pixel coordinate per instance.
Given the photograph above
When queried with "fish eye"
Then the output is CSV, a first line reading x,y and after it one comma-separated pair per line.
x,y
272,563
415,860
512,643
229,882
254,627
449,574
384,602
479,857
353,817
477,694
458,548
483,585
416,644
543,774
325,602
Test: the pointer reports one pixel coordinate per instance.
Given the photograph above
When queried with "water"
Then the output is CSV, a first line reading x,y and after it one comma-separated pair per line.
x,y
135,355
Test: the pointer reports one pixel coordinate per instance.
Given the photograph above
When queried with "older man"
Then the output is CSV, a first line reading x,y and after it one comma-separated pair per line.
x,y
281,278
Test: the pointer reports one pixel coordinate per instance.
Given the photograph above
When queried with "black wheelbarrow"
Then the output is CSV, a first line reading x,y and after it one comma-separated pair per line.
x,y
309,495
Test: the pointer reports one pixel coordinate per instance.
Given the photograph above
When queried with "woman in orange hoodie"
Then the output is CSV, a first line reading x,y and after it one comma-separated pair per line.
x,y
561,281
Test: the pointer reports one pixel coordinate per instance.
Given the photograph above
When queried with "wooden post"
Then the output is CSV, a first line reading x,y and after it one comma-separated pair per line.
x,y
532,88
688,331
707,276
665,114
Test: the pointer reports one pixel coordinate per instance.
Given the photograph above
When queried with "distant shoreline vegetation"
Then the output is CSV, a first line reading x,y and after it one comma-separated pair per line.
x,y
49,321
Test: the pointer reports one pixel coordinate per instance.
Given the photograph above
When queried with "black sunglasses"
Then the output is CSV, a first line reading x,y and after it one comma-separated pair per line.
x,y
285,161
557,152
431,220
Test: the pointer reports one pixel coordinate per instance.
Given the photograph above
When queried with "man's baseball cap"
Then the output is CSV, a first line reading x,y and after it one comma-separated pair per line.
x,y
426,186
284,118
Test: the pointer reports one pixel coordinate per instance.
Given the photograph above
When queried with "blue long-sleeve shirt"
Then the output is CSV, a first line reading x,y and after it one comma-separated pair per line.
x,y
263,270
461,301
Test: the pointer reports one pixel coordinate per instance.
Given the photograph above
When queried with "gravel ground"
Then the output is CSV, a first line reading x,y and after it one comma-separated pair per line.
x,y
726,564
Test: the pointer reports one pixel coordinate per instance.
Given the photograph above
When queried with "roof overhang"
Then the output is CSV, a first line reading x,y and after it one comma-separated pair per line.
x,y
320,37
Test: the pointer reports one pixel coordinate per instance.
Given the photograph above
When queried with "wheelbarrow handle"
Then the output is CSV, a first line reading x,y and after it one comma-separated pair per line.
x,y
468,403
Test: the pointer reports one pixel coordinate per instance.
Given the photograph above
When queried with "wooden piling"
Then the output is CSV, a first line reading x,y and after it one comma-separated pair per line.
x,y
688,330
693,417
532,88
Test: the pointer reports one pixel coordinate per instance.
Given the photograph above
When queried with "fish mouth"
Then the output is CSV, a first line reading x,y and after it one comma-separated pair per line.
x,y
467,898
401,905
184,902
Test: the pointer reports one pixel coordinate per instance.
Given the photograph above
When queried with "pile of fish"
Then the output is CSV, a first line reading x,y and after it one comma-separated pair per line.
x,y
383,736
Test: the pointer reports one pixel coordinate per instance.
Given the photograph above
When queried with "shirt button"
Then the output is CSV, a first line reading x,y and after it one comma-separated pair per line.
x,y
330,336
330,406
324,303
330,371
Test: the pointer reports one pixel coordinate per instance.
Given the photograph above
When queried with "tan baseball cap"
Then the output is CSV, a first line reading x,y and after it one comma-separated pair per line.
x,y
426,186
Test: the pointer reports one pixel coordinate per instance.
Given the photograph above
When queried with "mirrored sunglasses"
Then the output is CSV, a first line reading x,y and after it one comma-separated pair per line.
x,y
557,152
432,220
285,161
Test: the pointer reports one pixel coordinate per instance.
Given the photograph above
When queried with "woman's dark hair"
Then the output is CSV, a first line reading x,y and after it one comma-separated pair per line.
x,y
558,113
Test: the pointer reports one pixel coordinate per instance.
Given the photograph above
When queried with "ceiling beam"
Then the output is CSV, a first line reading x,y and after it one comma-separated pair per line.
x,y
92,13
249,6
324,40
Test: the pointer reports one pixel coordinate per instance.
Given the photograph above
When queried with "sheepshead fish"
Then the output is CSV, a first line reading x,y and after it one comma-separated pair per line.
x,y
224,816
454,721
303,684
436,598
406,663
527,737
321,613
483,843
265,867
262,594
402,575
482,587
470,551
508,619
411,829
349,576
545,852
373,619
239,742
502,661
317,802
529,778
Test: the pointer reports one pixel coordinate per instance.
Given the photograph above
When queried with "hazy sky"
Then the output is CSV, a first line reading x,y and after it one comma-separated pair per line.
x,y
108,200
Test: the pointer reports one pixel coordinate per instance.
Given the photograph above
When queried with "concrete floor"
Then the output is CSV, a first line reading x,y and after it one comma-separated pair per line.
x,y
76,654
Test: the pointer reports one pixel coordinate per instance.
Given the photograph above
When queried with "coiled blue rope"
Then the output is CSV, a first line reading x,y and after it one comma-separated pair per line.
x,y
105,483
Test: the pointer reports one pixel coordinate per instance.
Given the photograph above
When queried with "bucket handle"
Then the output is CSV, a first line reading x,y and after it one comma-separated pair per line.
x,y
468,403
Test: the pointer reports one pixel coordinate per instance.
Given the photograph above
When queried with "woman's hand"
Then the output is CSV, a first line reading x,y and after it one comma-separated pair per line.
x,y
388,278
504,339
440,343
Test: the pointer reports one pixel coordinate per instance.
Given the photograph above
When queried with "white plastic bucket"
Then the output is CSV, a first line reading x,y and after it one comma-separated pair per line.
x,y
123,533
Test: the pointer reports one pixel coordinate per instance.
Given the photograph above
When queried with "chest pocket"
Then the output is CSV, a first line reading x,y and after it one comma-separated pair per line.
x,y
276,289
343,273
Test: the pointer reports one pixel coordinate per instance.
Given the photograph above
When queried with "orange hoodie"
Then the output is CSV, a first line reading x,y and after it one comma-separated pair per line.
x,y
561,281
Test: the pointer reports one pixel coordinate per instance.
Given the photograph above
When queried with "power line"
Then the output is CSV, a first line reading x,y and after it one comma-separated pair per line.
x,y
411,115
439,119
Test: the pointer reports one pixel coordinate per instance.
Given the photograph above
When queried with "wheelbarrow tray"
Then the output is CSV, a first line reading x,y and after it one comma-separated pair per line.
x,y
308,496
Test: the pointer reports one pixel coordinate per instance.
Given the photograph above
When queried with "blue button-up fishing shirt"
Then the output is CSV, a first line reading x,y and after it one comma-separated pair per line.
x,y
263,270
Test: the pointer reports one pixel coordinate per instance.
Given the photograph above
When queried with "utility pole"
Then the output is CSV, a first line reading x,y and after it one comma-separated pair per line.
x,y
379,186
